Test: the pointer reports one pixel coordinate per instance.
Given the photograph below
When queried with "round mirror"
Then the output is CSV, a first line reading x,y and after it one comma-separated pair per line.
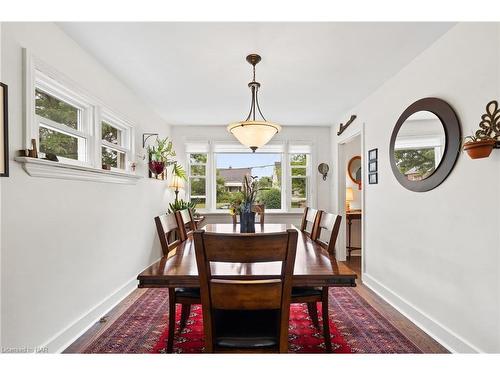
x,y
419,146
425,144
354,170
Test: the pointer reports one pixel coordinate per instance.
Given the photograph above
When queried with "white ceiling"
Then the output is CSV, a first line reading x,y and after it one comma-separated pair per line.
x,y
311,73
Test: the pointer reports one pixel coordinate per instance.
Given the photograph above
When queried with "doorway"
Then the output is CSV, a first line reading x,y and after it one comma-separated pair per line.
x,y
351,187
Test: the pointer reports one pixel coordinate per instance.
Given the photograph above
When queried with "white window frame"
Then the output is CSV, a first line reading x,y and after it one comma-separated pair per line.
x,y
92,111
84,132
206,177
126,143
210,179
307,176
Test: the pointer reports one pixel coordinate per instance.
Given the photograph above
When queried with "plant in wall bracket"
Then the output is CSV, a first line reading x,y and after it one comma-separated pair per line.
x,y
481,143
161,155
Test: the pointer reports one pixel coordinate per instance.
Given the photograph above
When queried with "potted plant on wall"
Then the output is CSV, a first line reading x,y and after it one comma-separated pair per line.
x,y
481,143
160,156
478,148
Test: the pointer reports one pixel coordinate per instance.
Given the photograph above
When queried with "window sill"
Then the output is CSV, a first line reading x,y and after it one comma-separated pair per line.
x,y
206,213
51,169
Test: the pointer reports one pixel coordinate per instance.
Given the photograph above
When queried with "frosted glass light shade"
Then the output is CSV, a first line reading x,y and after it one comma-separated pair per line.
x,y
254,134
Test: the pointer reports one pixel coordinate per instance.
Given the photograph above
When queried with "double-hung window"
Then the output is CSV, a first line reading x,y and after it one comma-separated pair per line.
x,y
115,142
216,173
62,122
71,124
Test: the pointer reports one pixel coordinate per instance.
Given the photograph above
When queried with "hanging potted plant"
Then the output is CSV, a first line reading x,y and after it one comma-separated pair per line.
x,y
160,156
478,148
481,143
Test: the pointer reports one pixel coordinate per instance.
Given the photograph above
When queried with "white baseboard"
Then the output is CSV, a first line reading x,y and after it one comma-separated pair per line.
x,y
68,335
446,337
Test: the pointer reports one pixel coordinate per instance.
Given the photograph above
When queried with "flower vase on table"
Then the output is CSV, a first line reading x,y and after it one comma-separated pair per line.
x,y
247,221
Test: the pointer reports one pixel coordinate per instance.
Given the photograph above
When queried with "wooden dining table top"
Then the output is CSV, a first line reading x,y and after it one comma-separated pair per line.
x,y
313,265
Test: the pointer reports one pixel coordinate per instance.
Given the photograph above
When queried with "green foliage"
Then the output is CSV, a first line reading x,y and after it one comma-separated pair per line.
x,y
265,182
180,205
179,171
421,159
162,151
270,198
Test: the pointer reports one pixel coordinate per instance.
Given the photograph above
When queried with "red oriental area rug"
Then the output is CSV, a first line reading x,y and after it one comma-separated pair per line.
x,y
355,326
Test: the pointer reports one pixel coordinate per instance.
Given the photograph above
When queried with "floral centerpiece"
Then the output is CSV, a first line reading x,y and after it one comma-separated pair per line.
x,y
161,156
243,205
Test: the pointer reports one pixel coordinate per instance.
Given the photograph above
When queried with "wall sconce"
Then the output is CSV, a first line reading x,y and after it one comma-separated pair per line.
x,y
323,168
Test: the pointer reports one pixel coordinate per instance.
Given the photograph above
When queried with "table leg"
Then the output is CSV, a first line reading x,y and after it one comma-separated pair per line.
x,y
349,222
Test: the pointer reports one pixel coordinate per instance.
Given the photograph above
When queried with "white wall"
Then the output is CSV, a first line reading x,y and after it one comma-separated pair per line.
x,y
435,255
70,249
319,136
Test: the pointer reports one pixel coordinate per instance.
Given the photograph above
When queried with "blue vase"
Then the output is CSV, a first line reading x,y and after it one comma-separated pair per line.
x,y
247,222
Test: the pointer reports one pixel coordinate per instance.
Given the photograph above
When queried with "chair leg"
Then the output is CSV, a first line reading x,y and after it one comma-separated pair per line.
x,y
326,320
313,313
171,320
186,309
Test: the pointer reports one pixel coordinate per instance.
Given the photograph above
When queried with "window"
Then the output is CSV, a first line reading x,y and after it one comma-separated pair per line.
x,y
115,144
299,165
198,179
77,128
61,127
231,168
216,172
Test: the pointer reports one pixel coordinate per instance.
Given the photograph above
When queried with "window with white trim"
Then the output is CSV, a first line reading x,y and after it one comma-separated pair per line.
x,y
115,142
62,122
216,175
299,180
197,179
73,125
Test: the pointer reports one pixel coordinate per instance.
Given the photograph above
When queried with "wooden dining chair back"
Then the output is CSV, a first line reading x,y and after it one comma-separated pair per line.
x,y
310,221
168,232
331,223
186,223
259,209
245,315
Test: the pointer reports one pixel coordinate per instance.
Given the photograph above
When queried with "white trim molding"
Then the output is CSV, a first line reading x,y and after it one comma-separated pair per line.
x,y
52,169
445,336
68,335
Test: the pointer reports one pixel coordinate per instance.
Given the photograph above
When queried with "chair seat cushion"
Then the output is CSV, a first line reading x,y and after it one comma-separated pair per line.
x,y
246,329
305,291
187,292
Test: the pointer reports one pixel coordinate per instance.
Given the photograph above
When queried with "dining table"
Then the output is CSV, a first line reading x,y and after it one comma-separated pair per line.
x,y
313,264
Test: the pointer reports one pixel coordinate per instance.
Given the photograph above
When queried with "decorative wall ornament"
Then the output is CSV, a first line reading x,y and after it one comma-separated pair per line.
x,y
343,127
323,168
489,127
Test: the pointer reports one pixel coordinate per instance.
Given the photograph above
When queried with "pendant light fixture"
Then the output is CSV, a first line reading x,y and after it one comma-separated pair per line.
x,y
254,132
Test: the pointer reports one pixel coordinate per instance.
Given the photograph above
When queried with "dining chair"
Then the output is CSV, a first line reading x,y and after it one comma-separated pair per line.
x,y
259,209
311,295
186,223
169,233
309,221
239,315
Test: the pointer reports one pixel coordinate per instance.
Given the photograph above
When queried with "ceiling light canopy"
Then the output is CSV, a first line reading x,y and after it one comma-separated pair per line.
x,y
254,132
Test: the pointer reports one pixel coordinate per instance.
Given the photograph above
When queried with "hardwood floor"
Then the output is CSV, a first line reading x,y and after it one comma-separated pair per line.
x,y
405,326
426,343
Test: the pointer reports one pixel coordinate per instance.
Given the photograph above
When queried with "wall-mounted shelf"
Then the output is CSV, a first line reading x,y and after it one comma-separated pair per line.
x,y
51,169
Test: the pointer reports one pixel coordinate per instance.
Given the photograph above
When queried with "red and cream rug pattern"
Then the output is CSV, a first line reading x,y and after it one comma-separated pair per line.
x,y
355,326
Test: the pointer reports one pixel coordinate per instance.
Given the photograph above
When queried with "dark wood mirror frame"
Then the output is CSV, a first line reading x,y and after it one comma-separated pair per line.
x,y
453,135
